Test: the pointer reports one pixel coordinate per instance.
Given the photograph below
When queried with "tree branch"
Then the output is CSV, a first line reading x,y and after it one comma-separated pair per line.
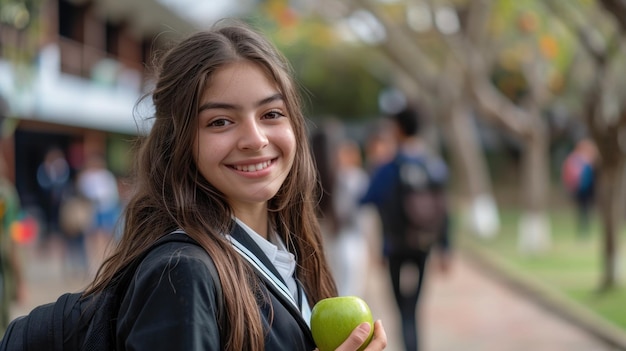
x,y
402,49
617,8
494,105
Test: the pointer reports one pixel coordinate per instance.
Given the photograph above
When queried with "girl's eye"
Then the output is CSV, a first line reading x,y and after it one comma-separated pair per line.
x,y
274,114
222,122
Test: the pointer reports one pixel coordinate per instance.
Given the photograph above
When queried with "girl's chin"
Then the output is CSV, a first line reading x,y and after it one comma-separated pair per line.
x,y
258,198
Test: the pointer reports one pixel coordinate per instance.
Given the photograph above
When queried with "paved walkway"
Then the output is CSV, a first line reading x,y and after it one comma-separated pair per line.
x,y
462,310
465,309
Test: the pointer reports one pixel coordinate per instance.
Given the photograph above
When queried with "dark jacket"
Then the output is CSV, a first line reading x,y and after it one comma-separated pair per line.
x,y
383,192
172,304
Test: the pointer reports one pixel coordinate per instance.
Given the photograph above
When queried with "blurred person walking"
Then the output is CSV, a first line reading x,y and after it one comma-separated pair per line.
x,y
76,217
578,174
405,248
380,146
99,185
343,182
324,142
53,178
351,245
11,276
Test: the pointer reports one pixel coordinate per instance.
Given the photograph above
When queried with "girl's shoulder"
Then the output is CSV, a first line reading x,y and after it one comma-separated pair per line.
x,y
176,255
181,263
173,300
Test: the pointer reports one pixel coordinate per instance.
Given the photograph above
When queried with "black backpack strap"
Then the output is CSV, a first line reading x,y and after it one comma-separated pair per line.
x,y
39,320
14,337
63,303
41,329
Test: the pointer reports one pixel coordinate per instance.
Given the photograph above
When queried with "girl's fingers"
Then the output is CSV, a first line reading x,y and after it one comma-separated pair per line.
x,y
356,338
360,334
379,341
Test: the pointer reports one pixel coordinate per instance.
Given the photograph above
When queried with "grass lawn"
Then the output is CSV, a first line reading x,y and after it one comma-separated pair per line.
x,y
572,267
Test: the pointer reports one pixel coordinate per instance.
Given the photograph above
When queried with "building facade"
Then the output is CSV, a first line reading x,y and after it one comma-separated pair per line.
x,y
71,75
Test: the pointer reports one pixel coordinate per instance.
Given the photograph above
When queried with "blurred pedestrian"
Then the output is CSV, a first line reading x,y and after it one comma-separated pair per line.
x,y
76,218
324,143
380,148
96,183
578,174
227,162
405,248
11,276
351,245
343,181
53,177
380,145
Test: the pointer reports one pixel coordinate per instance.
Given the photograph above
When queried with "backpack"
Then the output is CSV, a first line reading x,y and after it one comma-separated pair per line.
x,y
416,207
577,174
76,323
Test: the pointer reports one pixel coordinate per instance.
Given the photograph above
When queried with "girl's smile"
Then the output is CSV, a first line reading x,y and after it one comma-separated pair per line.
x,y
254,169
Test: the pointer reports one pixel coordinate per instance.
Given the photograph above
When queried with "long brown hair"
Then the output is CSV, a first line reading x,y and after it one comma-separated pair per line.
x,y
170,193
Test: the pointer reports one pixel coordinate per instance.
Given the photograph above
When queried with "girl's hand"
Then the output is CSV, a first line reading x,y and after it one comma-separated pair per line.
x,y
359,335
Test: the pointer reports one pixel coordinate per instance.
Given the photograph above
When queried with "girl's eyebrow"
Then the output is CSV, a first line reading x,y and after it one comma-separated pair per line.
x,y
222,105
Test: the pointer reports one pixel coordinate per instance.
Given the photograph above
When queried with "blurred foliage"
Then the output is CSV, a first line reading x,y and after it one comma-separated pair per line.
x,y
17,13
526,33
336,73
21,19
332,72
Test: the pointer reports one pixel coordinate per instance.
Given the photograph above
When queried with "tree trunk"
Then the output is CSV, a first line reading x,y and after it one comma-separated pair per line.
x,y
534,225
610,204
607,134
477,207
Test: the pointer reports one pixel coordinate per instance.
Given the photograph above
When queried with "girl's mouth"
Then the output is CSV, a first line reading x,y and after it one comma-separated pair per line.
x,y
253,167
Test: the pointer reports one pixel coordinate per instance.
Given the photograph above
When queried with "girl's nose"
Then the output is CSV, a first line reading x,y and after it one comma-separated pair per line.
x,y
253,136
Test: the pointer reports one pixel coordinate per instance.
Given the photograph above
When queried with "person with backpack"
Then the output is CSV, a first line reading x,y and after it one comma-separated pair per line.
x,y
578,174
227,164
409,193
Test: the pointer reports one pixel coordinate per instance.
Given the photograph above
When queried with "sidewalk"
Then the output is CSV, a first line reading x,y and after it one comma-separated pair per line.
x,y
461,310
466,309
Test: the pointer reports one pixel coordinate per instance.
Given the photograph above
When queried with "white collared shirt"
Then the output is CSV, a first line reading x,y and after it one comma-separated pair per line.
x,y
283,260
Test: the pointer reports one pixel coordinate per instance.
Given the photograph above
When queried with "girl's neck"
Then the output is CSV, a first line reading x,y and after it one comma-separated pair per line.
x,y
256,218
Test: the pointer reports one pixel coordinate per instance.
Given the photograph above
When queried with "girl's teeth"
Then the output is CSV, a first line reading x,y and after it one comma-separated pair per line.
x,y
252,168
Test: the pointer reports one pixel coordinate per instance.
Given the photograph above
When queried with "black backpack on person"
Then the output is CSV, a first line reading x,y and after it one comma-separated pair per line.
x,y
75,323
415,211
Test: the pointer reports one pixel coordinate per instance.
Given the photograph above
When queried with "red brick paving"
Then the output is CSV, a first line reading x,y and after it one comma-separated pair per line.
x,y
465,309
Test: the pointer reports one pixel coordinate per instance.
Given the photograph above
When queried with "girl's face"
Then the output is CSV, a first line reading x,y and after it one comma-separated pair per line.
x,y
245,145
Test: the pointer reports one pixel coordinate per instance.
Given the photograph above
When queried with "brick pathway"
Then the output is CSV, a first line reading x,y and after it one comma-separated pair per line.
x,y
467,310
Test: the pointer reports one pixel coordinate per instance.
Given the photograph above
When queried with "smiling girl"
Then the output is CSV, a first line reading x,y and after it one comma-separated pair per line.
x,y
227,162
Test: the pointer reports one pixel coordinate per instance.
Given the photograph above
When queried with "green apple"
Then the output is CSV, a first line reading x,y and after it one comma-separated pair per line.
x,y
334,318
